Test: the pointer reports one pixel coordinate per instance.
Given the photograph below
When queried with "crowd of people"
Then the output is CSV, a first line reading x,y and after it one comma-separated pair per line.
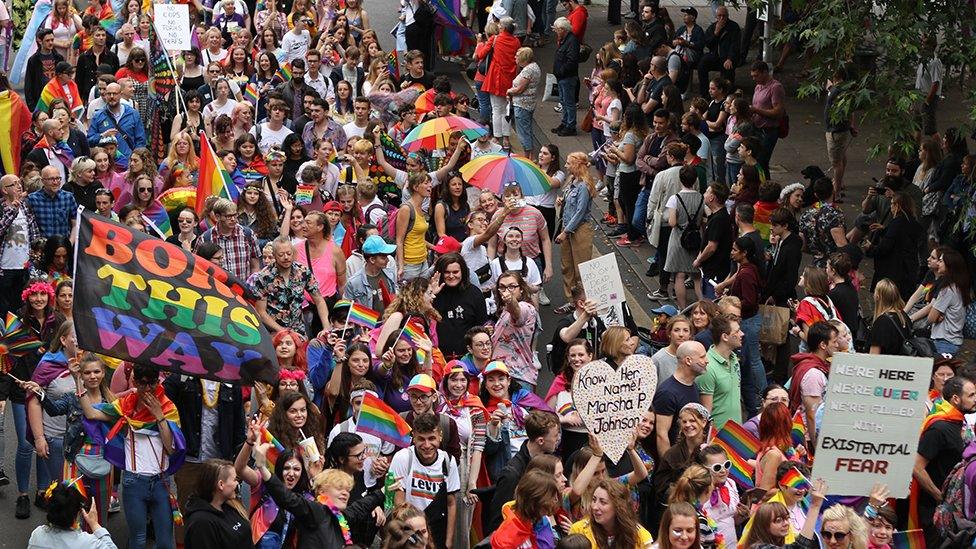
x,y
301,105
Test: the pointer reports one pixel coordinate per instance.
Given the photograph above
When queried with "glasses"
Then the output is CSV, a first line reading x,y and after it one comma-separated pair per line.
x,y
230,216
718,467
781,519
56,179
839,536
359,456
482,345
509,287
419,396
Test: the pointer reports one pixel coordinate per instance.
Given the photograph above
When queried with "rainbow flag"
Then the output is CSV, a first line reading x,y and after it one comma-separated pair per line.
x,y
158,219
414,332
213,177
794,479
378,419
284,72
82,42
908,539
741,446
304,194
251,93
452,35
78,484
54,90
798,432
15,119
362,315
276,447
393,65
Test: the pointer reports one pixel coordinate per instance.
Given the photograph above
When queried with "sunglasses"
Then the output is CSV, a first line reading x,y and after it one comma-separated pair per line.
x,y
146,190
718,467
839,536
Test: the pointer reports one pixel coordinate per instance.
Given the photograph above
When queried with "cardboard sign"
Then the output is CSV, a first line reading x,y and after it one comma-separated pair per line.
x,y
874,408
601,281
611,402
150,302
172,23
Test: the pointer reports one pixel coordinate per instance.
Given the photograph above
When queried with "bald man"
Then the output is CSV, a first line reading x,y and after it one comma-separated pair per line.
x,y
18,229
51,149
120,121
676,391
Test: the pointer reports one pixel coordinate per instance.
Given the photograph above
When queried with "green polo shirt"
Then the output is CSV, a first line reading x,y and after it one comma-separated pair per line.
x,y
722,380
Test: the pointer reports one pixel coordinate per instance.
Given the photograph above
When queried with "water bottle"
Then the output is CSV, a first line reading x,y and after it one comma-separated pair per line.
x,y
388,502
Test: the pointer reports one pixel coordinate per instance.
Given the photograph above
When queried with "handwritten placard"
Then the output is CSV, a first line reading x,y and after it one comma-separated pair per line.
x,y
874,408
611,402
172,22
601,281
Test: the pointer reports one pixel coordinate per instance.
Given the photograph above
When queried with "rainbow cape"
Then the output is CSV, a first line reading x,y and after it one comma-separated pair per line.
x,y
741,446
798,432
127,414
908,539
362,315
213,179
942,411
378,419
54,90
15,119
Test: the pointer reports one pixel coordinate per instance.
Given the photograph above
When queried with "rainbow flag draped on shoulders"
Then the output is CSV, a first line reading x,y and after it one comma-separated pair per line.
x,y
942,411
127,415
213,179
15,119
55,90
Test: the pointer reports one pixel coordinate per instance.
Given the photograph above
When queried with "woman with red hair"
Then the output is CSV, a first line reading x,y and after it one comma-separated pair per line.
x,y
775,444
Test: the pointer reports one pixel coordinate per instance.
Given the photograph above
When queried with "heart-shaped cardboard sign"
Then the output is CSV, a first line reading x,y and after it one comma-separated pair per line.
x,y
611,402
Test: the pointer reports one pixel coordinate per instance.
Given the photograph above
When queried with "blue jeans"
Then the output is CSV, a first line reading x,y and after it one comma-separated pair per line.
x,y
523,127
638,225
716,146
768,137
550,11
52,466
144,496
732,172
25,451
753,374
484,103
944,347
567,98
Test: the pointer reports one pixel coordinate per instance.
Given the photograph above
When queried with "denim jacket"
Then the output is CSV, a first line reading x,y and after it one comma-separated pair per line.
x,y
359,290
576,206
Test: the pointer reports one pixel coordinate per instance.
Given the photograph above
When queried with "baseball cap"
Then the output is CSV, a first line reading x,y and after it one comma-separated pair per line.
x,y
495,366
669,310
690,11
375,245
446,245
332,206
423,383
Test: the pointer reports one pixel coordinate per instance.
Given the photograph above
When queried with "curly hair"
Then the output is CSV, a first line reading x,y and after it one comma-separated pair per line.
x,y
288,435
626,518
265,220
410,301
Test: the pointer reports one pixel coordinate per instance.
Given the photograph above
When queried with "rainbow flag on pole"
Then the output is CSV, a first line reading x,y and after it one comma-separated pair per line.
x,y
393,65
741,446
276,447
284,71
78,484
413,332
251,93
794,479
908,539
798,431
213,179
15,119
362,315
378,419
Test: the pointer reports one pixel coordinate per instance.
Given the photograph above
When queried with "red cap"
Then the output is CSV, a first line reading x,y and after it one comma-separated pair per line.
x,y
446,245
332,206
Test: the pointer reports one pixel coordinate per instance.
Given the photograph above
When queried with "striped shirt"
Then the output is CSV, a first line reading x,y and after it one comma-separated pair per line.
x,y
531,222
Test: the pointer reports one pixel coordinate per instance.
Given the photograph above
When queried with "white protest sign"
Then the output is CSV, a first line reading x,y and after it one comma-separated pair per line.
x,y
173,25
601,281
611,402
874,408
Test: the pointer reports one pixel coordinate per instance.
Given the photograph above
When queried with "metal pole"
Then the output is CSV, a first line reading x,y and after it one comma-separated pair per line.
x,y
768,31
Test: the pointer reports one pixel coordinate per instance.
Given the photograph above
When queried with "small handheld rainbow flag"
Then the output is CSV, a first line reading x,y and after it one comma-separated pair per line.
x,y
908,539
276,447
284,71
78,484
251,93
393,64
362,315
303,194
798,432
378,419
794,479
741,446
413,332
213,177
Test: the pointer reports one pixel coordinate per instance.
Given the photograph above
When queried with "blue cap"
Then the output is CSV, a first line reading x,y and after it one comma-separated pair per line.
x,y
669,310
375,245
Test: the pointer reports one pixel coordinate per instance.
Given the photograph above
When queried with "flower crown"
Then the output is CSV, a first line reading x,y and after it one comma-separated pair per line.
x,y
39,287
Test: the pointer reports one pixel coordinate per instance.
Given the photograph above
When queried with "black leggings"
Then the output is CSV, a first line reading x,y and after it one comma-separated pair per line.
x,y
629,189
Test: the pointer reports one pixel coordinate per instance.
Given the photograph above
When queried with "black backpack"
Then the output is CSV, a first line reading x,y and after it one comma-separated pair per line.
x,y
691,238
913,345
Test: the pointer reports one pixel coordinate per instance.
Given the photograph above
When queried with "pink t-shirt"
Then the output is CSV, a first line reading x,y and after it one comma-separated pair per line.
x,y
322,267
766,96
531,222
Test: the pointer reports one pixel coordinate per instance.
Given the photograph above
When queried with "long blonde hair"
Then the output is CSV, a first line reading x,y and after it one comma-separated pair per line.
x,y
192,162
887,299
858,537
587,176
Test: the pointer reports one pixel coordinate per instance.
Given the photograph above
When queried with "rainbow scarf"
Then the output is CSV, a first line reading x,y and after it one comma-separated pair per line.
x,y
340,518
942,411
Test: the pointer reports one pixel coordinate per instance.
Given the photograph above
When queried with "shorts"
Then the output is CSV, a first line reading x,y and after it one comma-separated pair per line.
x,y
837,144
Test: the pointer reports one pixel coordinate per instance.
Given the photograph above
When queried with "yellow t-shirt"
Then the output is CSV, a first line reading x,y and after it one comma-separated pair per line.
x,y
644,540
414,242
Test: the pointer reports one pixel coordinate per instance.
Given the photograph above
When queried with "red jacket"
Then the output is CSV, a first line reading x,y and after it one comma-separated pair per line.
x,y
502,69
578,18
803,363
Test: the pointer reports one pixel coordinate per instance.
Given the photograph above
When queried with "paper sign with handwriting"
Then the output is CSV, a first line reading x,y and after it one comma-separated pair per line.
x,y
601,281
611,402
874,408
173,25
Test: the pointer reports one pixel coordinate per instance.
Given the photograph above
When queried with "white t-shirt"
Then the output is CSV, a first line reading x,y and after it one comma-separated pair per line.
x,y
533,278
322,84
476,257
547,199
16,250
615,105
374,447
149,457
209,57
352,130
212,111
422,482
270,138
294,45
376,214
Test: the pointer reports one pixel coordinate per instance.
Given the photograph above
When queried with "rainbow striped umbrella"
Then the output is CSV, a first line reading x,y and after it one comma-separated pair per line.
x,y
492,171
435,133
425,101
